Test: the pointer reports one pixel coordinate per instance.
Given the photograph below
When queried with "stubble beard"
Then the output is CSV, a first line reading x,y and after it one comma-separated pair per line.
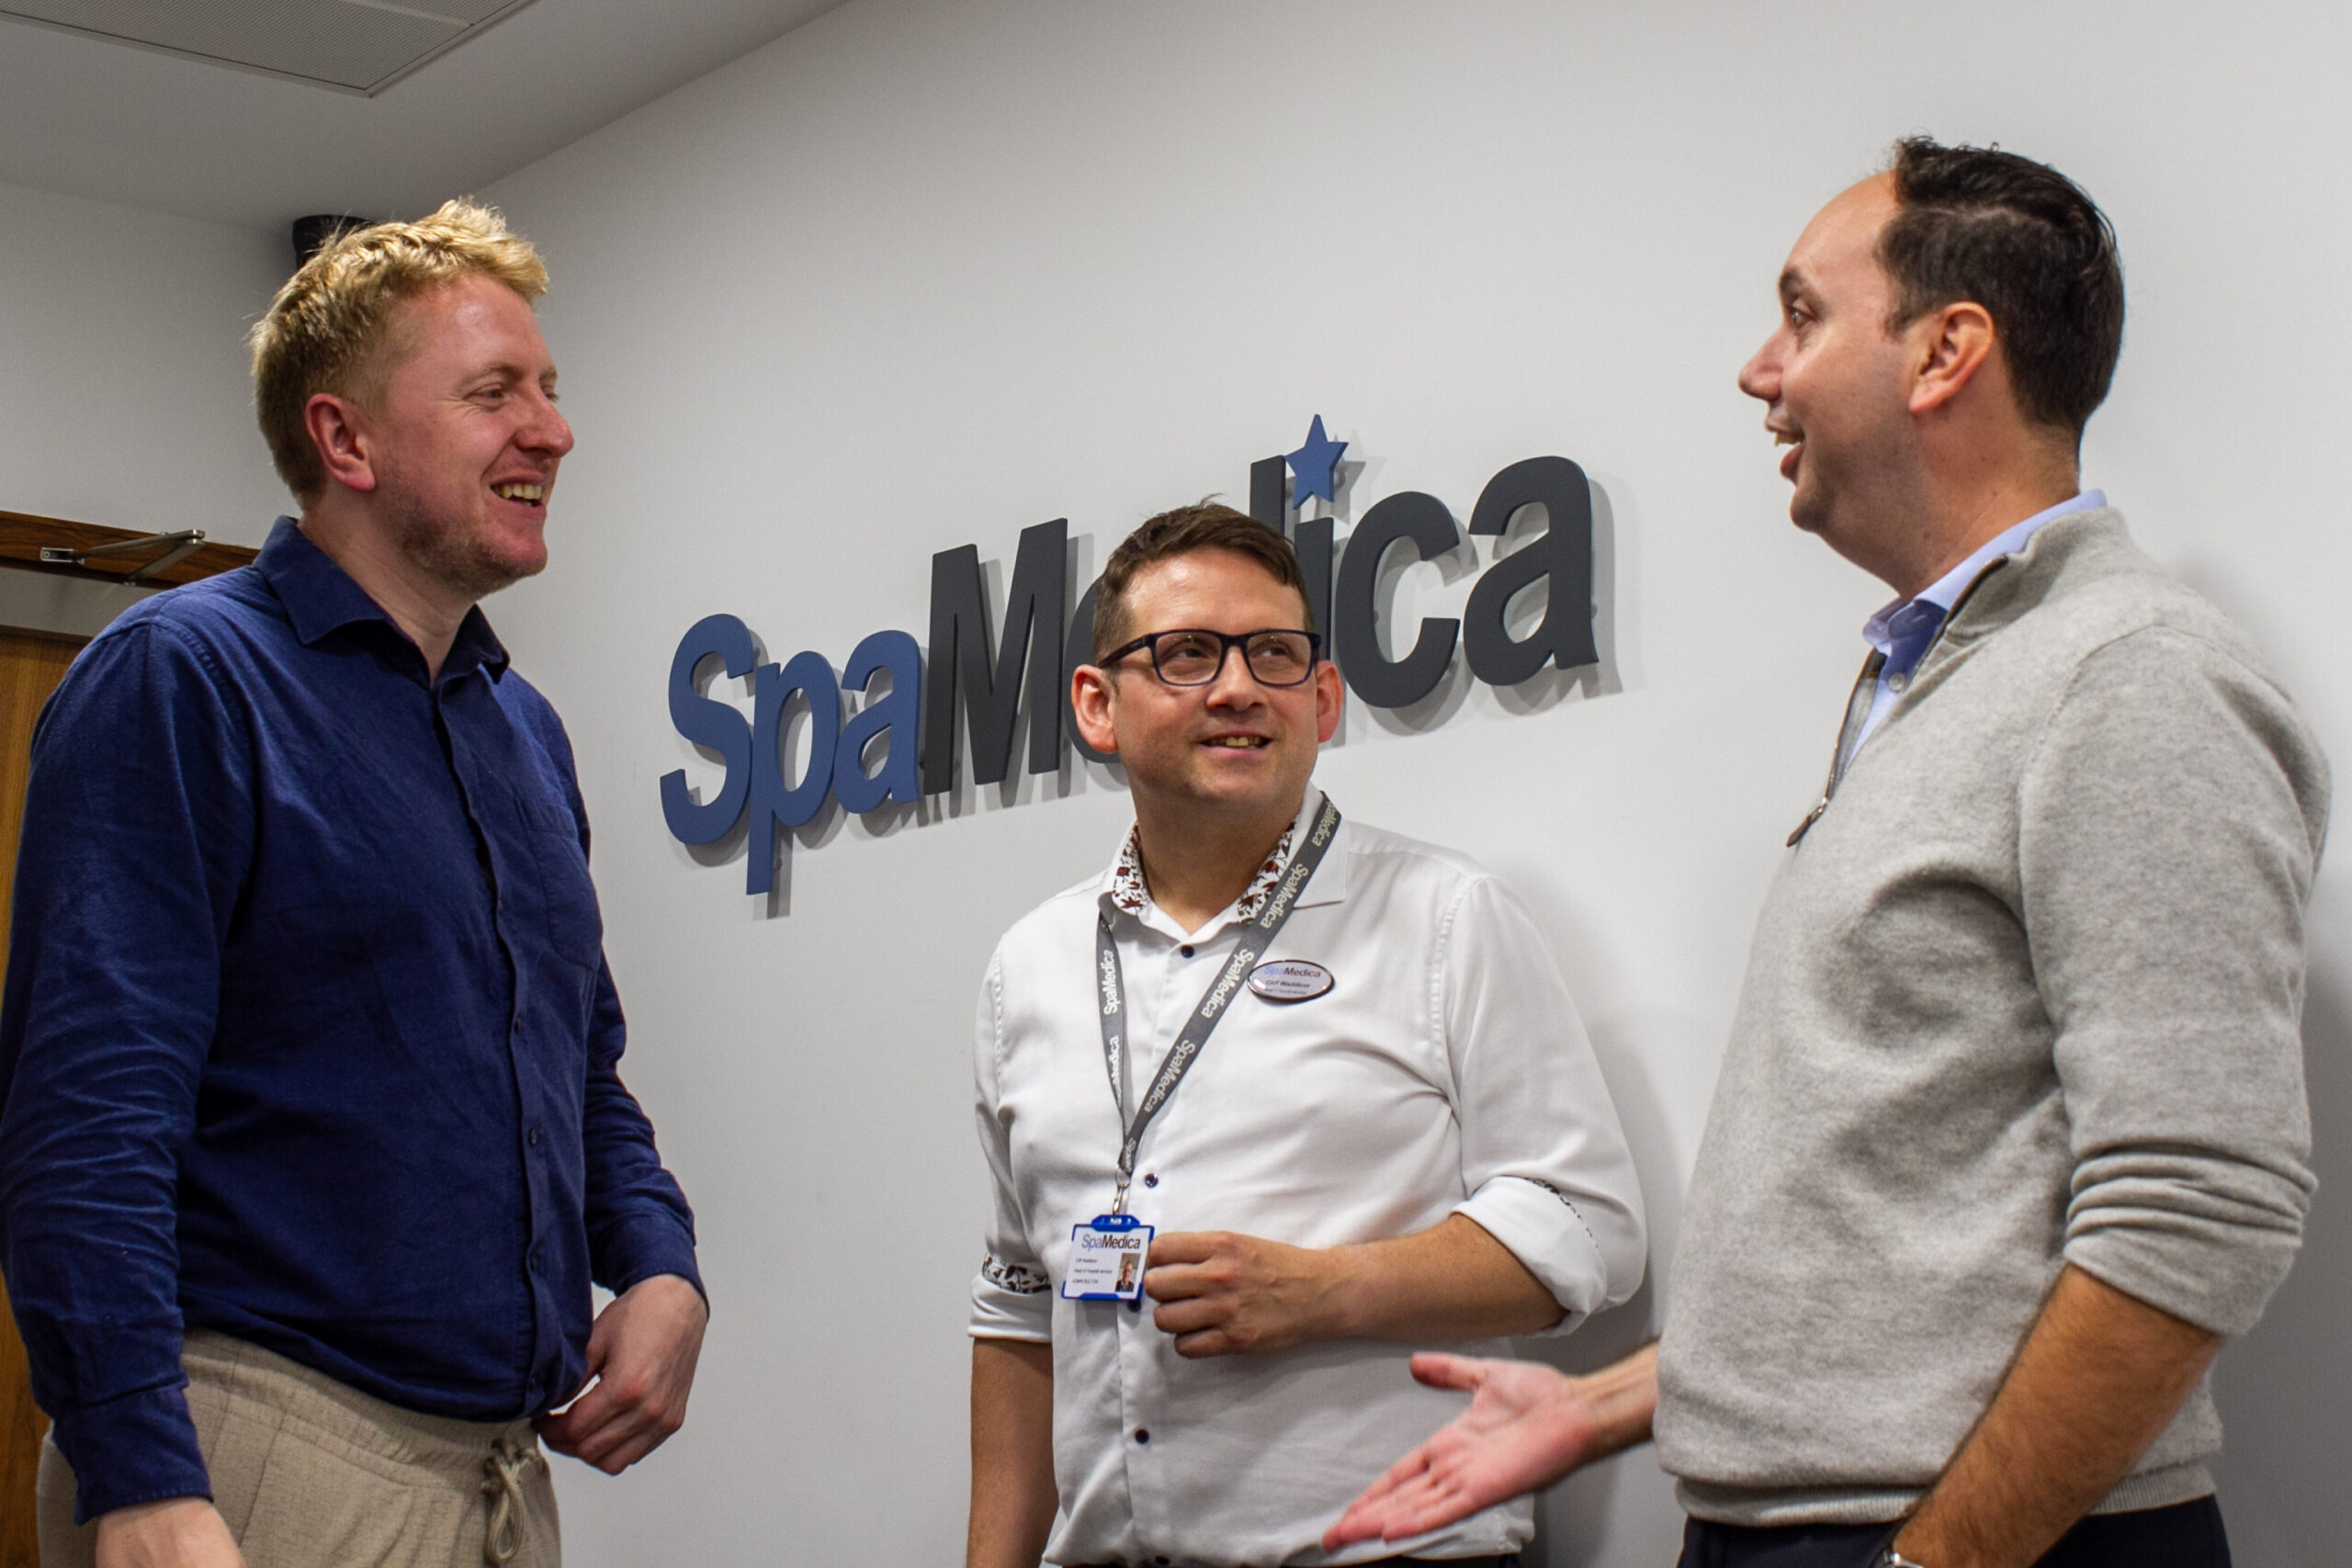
x,y
455,557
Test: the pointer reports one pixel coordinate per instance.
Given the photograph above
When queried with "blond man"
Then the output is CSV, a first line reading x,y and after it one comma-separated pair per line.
x,y
311,1136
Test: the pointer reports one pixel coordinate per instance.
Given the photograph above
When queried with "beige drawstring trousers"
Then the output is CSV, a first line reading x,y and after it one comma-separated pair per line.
x,y
309,1473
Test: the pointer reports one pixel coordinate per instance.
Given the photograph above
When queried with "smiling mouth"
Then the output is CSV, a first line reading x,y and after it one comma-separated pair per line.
x,y
1793,456
1237,742
517,490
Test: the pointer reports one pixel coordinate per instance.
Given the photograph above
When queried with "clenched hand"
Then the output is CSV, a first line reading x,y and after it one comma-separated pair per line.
x,y
172,1532
641,1356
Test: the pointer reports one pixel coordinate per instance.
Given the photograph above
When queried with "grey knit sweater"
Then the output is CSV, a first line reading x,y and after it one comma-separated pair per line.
x,y
2026,993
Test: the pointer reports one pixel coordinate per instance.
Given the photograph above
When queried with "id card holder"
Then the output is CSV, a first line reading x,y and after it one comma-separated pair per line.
x,y
1106,1256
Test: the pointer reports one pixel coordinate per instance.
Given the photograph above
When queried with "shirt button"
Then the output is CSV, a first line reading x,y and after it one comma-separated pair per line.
x,y
534,1137
1150,1179
1142,1436
1898,682
1186,949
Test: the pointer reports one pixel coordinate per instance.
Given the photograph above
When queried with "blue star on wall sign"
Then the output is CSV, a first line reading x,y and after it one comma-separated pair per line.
x,y
1317,464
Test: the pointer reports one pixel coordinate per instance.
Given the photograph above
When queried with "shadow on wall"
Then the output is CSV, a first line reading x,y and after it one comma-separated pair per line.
x,y
2284,1391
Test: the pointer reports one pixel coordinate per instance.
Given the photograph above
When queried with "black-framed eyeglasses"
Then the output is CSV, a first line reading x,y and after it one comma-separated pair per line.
x,y
1195,657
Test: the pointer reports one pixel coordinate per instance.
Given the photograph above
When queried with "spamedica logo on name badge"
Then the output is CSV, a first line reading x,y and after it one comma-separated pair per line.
x,y
1290,980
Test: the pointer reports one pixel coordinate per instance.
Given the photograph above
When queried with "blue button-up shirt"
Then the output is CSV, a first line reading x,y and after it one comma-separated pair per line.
x,y
1905,630
307,1034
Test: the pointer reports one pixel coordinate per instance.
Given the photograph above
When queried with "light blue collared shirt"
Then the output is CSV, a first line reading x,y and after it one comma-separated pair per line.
x,y
1903,629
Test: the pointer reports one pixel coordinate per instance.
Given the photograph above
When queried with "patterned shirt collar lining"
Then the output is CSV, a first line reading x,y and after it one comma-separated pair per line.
x,y
1130,894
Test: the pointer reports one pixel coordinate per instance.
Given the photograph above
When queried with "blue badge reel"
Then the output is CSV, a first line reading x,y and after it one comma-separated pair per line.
x,y
1106,1258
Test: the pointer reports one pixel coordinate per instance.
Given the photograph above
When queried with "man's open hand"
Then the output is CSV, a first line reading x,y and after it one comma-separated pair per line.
x,y
641,1356
1227,1295
1527,1426
172,1532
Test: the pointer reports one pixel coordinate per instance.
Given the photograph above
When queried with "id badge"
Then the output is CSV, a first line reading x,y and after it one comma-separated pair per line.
x,y
1106,1256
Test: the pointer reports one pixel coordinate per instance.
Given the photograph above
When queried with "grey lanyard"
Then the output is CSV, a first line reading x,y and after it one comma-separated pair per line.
x,y
1256,938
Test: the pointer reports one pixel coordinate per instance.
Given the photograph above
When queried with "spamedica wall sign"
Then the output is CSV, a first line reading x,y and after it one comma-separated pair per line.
x,y
902,745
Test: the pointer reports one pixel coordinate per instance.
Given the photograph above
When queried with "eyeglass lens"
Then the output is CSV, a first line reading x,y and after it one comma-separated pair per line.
x,y
1193,658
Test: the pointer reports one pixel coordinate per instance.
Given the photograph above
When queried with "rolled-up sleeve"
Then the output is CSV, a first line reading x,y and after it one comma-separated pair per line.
x,y
126,882
2175,978
1542,1154
1012,1294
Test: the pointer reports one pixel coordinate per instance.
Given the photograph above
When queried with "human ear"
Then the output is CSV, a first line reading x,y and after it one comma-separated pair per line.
x,y
1330,701
335,423
1948,346
1093,702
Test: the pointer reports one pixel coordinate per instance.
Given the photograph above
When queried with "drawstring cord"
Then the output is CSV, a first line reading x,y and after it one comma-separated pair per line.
x,y
503,1485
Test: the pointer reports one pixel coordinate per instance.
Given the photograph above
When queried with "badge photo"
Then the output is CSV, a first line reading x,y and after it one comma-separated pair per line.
x,y
1290,980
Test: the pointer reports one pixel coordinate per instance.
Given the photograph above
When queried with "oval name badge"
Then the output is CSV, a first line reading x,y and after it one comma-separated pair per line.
x,y
1290,980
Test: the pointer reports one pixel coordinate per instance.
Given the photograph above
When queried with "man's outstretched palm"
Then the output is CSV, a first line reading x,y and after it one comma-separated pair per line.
x,y
1527,1426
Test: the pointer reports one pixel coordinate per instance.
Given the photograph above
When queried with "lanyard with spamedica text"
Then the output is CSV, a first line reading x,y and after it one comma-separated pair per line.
x,y
1257,937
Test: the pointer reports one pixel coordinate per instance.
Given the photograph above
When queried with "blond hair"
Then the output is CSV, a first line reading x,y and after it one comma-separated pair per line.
x,y
328,327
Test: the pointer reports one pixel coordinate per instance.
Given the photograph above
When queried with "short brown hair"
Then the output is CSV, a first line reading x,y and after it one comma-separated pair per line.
x,y
1204,526
326,330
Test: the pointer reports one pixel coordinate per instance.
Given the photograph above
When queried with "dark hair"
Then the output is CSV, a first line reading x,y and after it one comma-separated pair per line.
x,y
1204,526
2026,243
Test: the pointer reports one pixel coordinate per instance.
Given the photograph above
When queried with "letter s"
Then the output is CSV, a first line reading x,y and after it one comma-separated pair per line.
x,y
712,725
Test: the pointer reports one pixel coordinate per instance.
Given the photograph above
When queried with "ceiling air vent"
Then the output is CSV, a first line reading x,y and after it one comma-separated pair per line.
x,y
358,46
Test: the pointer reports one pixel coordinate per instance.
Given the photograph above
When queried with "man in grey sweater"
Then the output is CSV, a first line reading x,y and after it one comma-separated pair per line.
x,y
2012,1129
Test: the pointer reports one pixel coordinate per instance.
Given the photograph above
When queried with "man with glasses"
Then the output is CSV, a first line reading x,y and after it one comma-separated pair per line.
x,y
1328,1078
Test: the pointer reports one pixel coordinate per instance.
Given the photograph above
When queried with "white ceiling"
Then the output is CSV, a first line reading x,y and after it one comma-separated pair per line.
x,y
117,123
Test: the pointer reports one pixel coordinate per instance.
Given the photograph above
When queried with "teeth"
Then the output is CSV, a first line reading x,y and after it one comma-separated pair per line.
x,y
520,491
1240,743
1782,438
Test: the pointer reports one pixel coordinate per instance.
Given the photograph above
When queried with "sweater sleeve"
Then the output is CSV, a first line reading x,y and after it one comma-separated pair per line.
x,y
2170,824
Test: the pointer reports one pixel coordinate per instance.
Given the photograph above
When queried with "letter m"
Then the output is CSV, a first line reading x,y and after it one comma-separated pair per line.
x,y
991,677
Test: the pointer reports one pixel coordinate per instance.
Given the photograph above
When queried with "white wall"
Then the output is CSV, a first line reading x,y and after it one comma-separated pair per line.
x,y
123,397
923,273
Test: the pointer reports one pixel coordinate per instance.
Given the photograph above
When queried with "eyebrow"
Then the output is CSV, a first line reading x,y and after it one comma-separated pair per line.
x,y
1791,281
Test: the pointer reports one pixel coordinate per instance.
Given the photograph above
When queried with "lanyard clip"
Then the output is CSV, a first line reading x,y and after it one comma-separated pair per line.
x,y
1119,1200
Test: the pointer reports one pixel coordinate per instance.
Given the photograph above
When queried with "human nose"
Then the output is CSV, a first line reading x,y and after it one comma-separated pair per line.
x,y
1760,376
546,430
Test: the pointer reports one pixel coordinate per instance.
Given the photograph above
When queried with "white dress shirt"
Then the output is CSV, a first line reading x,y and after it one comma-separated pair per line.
x,y
1445,1072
